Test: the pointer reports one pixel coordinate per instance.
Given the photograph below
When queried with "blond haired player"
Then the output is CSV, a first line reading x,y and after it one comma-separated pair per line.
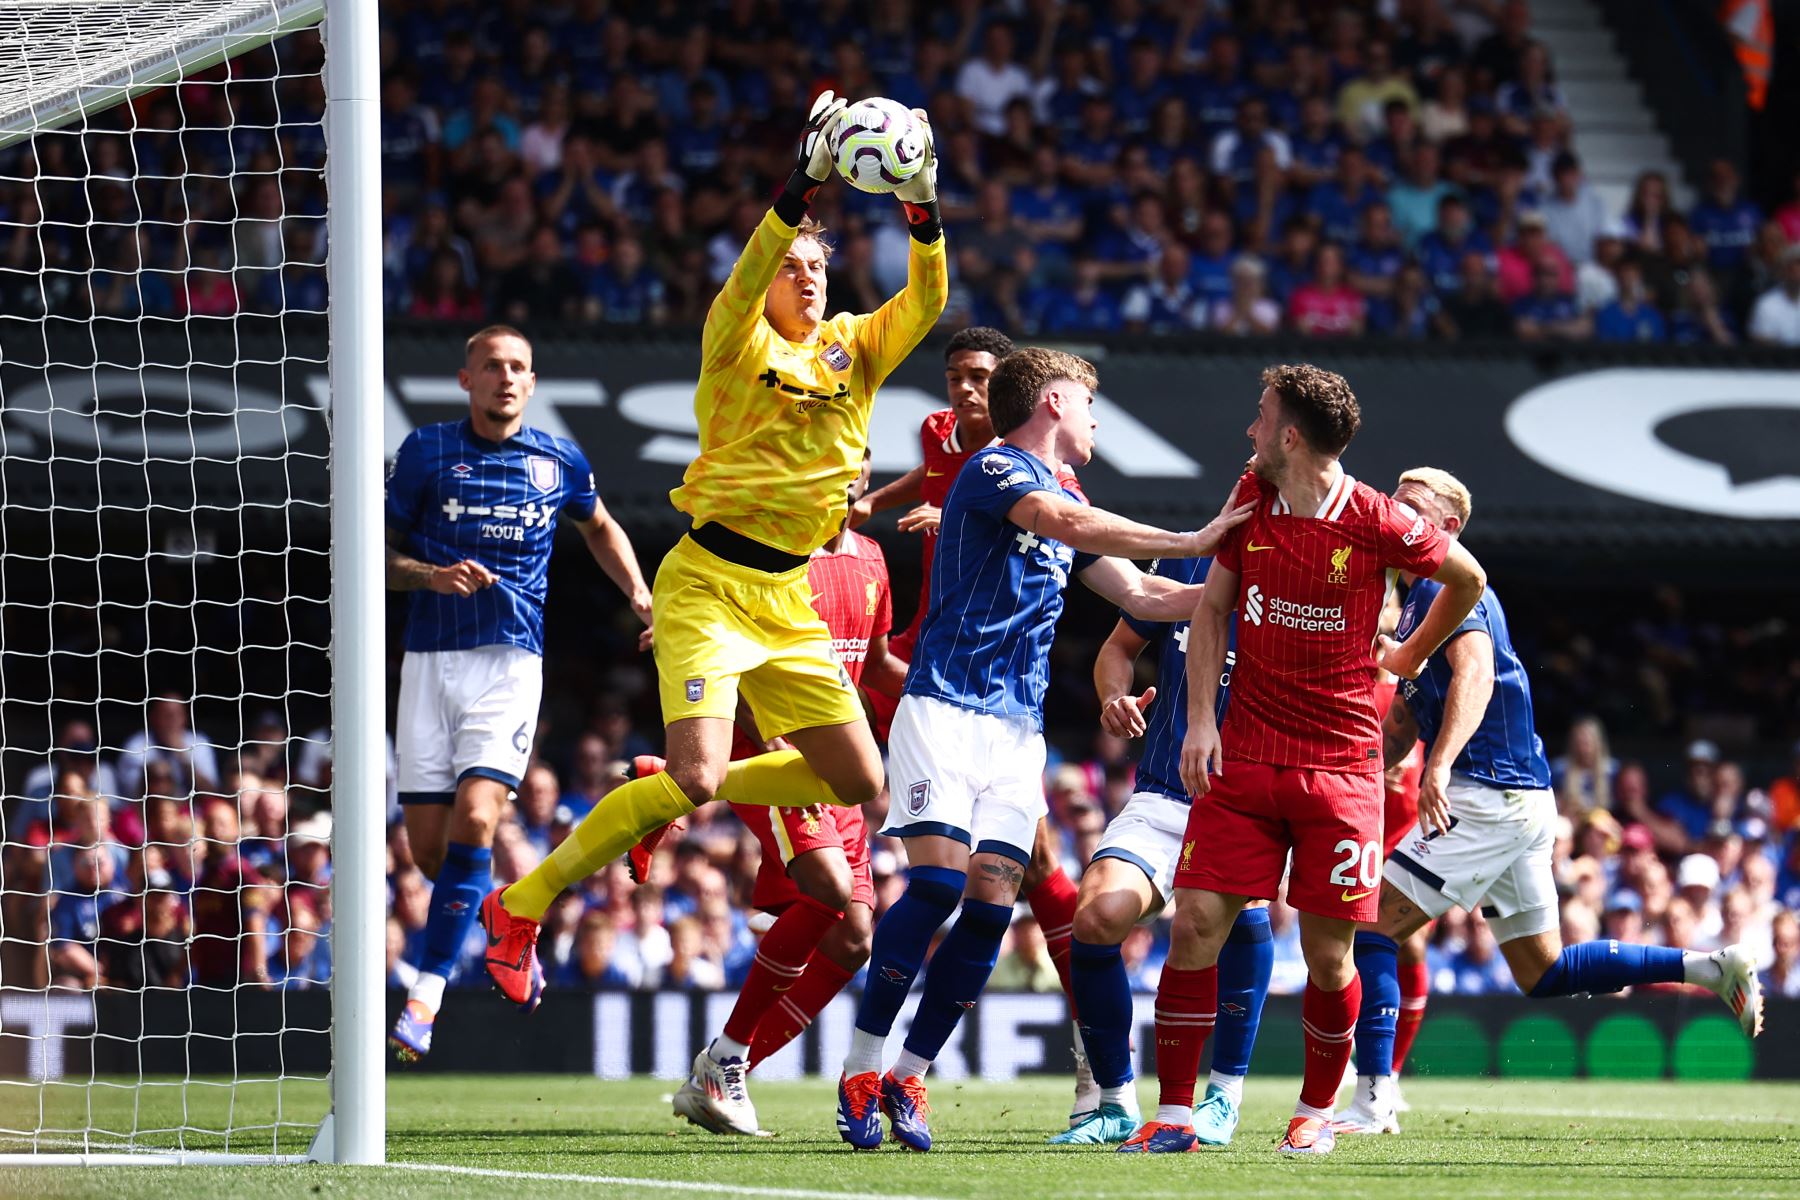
x,y
783,406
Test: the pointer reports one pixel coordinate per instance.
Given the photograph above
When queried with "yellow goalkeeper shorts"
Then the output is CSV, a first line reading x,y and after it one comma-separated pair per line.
x,y
722,628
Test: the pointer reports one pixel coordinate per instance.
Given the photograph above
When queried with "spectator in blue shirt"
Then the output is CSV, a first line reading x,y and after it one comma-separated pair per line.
x,y
1143,87
1692,804
83,895
594,964
1315,145
696,144
1089,153
1338,204
1478,968
1235,151
1547,313
1441,250
1215,94
1084,307
1044,207
1291,267
628,291
1376,257
1168,301
1631,317
485,110
1210,268
1724,220
1390,152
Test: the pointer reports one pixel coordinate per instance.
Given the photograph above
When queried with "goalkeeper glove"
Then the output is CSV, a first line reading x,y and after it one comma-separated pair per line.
x,y
918,195
814,161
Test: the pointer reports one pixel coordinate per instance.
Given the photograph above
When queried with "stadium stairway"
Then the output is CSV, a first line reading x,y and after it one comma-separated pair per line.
x,y
1615,133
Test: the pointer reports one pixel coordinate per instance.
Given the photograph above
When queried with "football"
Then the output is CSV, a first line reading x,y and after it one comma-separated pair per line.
x,y
878,145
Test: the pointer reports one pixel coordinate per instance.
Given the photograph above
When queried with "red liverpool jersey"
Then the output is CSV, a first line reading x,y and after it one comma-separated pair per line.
x,y
850,591
1309,603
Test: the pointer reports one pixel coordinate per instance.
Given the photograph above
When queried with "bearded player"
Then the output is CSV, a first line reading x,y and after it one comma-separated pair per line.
x,y
1487,830
1299,767
1131,879
815,874
947,439
471,515
783,410
967,751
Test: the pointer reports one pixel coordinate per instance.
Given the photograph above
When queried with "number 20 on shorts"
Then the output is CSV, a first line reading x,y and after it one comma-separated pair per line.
x,y
1362,858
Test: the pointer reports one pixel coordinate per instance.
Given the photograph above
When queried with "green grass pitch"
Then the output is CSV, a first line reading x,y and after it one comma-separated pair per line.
x,y
568,1136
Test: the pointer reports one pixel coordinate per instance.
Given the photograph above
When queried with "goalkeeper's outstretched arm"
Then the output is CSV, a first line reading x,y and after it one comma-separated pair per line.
x,y
894,329
735,310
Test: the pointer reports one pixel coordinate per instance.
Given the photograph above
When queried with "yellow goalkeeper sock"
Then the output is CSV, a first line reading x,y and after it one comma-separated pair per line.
x,y
779,779
623,815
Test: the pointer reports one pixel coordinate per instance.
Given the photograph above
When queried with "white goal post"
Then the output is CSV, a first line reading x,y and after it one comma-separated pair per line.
x,y
190,401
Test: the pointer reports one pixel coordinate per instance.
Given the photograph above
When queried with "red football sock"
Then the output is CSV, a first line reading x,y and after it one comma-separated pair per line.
x,y
793,1012
1329,1022
1053,904
1187,1003
1415,986
780,961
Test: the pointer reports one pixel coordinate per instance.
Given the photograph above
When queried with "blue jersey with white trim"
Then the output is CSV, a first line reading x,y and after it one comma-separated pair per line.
x,y
456,495
1505,750
1165,723
996,592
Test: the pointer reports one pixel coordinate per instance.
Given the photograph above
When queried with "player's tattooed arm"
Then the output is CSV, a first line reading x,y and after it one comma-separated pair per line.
x,y
407,574
1399,733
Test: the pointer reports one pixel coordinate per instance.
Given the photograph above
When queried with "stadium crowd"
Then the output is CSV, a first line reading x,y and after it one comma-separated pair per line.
x,y
178,859
1402,170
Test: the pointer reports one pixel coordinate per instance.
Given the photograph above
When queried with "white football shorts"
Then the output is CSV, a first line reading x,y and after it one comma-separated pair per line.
x,y
1497,855
1148,833
972,776
463,713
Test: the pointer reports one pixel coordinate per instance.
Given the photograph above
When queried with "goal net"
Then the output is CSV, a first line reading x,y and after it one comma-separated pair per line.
x,y
167,906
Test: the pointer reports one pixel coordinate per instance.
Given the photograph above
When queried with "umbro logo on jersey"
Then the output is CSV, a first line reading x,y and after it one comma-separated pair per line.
x,y
462,470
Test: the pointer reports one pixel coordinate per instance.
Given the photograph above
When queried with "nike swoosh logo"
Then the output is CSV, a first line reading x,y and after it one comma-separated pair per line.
x,y
1253,547
492,940
929,474
1347,895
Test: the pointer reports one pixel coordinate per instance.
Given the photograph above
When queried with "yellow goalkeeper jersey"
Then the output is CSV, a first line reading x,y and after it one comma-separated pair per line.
x,y
783,425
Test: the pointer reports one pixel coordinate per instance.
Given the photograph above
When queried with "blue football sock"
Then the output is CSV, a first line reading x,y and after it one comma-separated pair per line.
x,y
462,881
1102,991
1245,963
957,974
1378,962
901,939
1598,967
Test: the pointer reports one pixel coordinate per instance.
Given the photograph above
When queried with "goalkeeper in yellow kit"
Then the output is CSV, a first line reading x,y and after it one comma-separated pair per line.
x,y
783,407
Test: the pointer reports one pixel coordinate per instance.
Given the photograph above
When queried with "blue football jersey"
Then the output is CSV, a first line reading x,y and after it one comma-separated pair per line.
x,y
1505,750
1165,724
996,591
456,495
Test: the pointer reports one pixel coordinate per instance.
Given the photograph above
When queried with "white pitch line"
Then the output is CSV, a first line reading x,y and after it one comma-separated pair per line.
x,y
668,1185
1595,1114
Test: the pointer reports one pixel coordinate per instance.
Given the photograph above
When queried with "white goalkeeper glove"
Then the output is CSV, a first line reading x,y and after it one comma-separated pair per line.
x,y
921,188
813,166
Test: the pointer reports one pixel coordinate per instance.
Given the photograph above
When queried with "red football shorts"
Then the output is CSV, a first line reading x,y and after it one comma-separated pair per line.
x,y
1239,835
1401,806
787,833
